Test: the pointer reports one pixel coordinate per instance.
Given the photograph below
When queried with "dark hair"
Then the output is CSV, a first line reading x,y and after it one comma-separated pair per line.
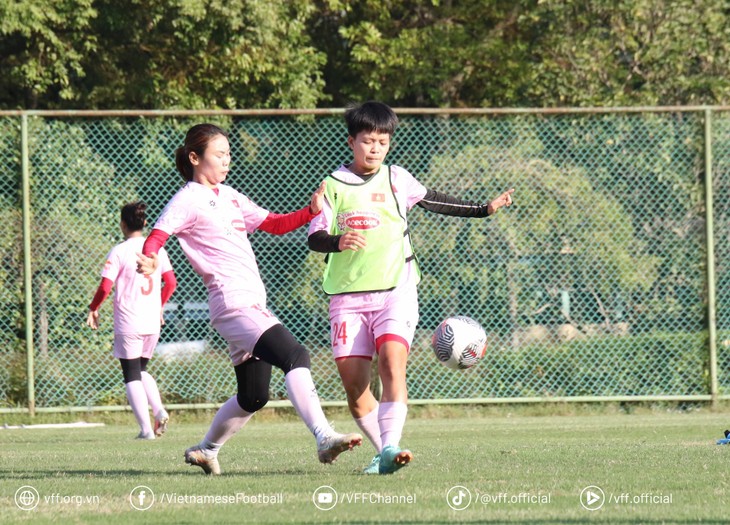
x,y
134,215
196,140
370,116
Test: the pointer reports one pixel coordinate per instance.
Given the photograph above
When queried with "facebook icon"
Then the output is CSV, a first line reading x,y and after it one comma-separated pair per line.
x,y
141,498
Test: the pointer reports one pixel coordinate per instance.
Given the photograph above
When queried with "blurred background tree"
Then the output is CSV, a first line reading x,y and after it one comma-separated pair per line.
x,y
172,54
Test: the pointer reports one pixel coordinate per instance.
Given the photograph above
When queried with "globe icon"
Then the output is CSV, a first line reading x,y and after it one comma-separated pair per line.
x,y
26,498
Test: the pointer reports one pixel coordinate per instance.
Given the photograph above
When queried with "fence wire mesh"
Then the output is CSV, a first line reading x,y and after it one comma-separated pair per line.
x,y
593,284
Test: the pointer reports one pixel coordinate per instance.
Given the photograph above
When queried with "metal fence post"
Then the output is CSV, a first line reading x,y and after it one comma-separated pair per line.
x,y
711,305
27,276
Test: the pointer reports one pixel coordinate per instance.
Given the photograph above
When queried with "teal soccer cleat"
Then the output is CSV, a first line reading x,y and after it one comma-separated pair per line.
x,y
393,458
373,467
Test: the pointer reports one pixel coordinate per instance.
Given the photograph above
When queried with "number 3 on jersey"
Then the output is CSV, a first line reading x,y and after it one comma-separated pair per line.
x,y
339,333
150,285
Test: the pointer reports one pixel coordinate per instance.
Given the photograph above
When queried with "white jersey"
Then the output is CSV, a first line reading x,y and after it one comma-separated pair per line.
x,y
213,232
137,299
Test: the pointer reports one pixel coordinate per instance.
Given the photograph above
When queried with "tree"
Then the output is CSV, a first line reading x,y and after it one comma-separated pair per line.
x,y
215,54
564,234
43,44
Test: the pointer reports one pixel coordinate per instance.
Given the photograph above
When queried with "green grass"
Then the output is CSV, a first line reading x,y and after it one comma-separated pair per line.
x,y
662,453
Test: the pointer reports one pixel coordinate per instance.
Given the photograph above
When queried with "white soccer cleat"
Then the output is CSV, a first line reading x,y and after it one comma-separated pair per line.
x,y
198,457
142,435
333,445
161,421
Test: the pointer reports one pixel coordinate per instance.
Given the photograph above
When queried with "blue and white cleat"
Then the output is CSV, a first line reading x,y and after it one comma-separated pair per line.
x,y
725,441
393,458
373,467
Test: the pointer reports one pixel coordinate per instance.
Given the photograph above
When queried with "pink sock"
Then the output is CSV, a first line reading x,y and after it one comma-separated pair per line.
x,y
138,401
371,428
303,395
153,394
229,419
392,419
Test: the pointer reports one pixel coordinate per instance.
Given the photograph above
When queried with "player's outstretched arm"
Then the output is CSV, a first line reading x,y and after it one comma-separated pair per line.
x,y
503,200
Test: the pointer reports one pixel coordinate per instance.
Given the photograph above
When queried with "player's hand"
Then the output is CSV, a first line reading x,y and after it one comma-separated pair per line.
x,y
317,199
162,317
147,265
503,200
352,241
93,320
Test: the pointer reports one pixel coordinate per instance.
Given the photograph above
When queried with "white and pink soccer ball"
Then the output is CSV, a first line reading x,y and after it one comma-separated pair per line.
x,y
459,342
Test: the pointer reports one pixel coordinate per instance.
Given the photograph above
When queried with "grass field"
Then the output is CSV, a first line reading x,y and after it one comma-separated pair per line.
x,y
653,467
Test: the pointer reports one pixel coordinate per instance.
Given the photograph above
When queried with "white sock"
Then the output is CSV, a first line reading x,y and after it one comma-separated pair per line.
x,y
229,419
370,426
303,395
153,393
138,401
392,419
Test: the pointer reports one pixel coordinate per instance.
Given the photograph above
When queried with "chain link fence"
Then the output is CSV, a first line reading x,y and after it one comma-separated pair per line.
x,y
595,285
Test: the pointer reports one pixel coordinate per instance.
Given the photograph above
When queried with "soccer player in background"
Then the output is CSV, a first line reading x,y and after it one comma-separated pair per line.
x,y
212,221
138,302
372,273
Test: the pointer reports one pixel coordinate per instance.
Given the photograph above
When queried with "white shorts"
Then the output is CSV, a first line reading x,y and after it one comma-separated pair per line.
x,y
133,346
242,328
360,334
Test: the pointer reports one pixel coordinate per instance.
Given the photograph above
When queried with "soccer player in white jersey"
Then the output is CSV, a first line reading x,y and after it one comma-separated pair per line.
x,y
138,302
212,221
372,273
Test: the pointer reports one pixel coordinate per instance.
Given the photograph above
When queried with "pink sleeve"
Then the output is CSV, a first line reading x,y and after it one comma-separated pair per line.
x,y
407,183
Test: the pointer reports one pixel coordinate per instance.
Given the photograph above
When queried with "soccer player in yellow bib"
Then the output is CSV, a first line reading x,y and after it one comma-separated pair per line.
x,y
372,274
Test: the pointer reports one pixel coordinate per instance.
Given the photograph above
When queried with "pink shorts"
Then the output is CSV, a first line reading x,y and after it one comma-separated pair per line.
x,y
133,346
242,328
359,334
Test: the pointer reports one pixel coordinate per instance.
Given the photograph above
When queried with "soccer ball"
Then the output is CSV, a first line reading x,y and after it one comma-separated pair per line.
x,y
459,342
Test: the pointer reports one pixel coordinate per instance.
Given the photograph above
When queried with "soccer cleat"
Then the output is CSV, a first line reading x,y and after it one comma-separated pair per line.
x,y
161,421
142,435
393,458
373,467
197,456
725,441
333,445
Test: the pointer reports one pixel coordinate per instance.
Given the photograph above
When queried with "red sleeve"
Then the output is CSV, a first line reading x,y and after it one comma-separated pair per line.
x,y
170,283
279,224
155,240
102,293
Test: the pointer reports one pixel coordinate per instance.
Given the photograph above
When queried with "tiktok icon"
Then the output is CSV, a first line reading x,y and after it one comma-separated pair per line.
x,y
458,497
141,498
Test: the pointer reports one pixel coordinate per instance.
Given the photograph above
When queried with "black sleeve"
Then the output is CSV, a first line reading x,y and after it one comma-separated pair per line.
x,y
322,241
438,202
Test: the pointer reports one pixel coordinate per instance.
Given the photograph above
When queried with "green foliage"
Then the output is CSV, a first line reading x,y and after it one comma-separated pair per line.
x,y
308,53
43,47
561,234
183,54
656,364
76,198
